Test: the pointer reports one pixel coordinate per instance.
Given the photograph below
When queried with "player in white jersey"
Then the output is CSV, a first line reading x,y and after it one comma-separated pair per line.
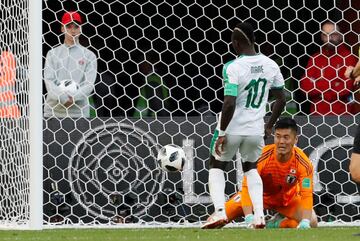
x,y
247,82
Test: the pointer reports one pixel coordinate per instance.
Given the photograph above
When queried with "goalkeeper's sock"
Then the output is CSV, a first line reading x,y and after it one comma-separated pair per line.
x,y
255,187
217,188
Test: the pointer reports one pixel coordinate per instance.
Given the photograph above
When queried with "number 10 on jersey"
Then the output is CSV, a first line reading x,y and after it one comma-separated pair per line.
x,y
253,90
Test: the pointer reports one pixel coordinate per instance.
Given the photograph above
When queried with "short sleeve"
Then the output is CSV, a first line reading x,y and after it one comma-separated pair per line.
x,y
230,80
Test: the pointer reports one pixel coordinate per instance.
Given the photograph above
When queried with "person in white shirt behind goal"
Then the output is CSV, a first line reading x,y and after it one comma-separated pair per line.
x,y
70,63
247,82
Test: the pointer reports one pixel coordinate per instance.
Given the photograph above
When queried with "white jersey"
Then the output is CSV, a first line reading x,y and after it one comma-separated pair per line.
x,y
249,78
69,62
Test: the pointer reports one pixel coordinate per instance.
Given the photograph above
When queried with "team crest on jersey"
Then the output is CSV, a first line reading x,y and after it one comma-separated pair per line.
x,y
290,179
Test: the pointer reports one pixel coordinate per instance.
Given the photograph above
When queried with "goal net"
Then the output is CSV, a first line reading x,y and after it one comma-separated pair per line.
x,y
158,81
14,145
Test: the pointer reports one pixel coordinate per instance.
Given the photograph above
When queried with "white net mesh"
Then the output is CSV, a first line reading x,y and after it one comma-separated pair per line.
x,y
159,81
14,148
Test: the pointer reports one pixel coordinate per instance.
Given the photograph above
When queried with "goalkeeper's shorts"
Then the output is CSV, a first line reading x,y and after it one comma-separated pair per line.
x,y
233,207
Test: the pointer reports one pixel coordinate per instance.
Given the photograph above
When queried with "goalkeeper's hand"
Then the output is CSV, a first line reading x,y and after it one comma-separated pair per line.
x,y
249,221
304,224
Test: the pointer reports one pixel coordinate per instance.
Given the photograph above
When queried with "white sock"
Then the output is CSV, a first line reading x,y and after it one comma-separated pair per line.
x,y
217,188
255,187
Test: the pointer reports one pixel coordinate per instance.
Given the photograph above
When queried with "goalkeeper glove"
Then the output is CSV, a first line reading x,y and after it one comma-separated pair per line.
x,y
275,221
249,219
304,224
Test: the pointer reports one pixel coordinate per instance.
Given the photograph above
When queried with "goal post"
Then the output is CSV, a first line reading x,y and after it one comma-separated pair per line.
x,y
21,192
35,115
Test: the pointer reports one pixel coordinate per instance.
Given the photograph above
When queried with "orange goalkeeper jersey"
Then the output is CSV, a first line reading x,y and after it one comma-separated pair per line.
x,y
283,181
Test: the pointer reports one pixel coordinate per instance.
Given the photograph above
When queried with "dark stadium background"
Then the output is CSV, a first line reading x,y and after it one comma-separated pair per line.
x,y
120,32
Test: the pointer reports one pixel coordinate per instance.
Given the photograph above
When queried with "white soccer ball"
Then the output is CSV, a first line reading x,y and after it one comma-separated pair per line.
x,y
171,158
68,86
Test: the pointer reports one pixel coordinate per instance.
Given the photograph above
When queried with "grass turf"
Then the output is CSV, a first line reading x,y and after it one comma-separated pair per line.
x,y
185,234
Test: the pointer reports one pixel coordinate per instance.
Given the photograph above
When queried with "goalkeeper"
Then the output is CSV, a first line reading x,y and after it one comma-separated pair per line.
x,y
287,176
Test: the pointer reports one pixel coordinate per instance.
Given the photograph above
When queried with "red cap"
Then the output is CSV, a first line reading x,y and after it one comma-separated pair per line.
x,y
69,17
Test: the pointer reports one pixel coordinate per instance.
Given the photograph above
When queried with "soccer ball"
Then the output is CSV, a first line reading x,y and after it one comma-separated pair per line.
x,y
171,158
68,87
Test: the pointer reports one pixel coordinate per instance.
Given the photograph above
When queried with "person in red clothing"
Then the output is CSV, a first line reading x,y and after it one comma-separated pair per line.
x,y
324,82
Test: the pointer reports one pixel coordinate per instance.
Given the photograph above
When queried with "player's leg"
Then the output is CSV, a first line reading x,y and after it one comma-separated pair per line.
x,y
288,223
285,218
313,220
216,190
298,214
233,207
233,210
285,222
280,221
293,215
250,150
217,180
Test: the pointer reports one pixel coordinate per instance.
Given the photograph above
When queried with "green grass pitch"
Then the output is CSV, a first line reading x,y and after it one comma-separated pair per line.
x,y
185,234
